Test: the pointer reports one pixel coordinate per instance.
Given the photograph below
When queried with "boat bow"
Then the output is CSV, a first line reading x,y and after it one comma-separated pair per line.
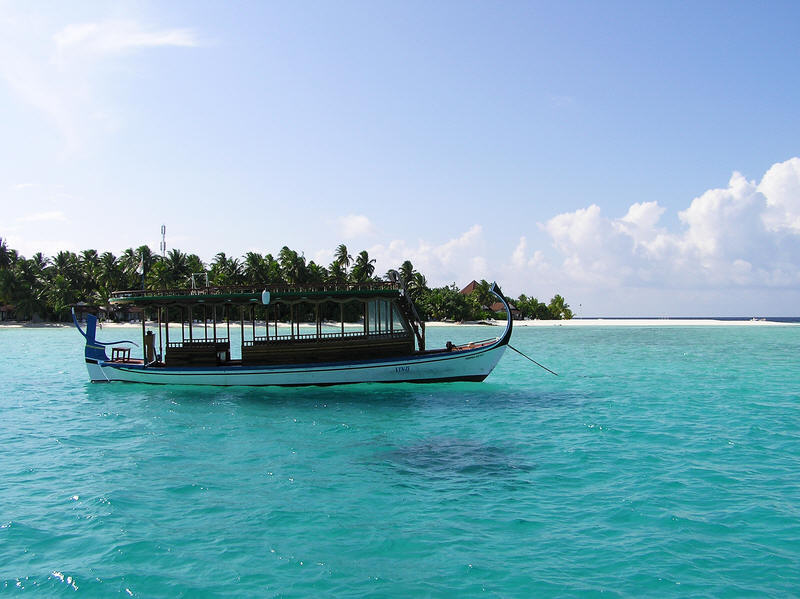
x,y
95,350
495,290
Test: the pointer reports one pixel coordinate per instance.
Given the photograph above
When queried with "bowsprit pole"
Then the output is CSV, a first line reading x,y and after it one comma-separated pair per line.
x,y
532,360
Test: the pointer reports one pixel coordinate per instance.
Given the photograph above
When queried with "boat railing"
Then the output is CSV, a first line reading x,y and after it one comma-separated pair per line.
x,y
210,342
264,340
244,289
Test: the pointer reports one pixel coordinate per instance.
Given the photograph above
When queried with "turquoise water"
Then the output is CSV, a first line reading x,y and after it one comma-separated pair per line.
x,y
664,461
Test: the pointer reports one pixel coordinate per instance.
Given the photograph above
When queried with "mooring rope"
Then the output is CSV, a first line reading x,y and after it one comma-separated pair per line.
x,y
532,360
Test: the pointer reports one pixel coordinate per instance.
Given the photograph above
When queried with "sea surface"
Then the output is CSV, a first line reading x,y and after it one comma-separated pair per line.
x,y
662,462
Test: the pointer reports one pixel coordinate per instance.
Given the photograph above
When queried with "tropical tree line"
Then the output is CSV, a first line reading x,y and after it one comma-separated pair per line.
x,y
45,288
448,303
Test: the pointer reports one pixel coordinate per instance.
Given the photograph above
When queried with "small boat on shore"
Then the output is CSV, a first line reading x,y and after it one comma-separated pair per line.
x,y
350,334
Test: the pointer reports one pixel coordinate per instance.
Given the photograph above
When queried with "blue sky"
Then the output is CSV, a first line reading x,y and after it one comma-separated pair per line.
x,y
638,158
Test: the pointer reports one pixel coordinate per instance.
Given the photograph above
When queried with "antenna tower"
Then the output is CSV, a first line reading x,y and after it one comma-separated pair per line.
x,y
163,241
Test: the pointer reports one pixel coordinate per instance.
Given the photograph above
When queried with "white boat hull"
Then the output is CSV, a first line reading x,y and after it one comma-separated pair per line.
x,y
461,365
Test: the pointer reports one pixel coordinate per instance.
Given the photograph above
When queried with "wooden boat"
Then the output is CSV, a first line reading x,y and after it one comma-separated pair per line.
x,y
286,337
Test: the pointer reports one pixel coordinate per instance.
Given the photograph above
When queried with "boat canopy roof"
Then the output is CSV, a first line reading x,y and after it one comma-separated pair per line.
x,y
245,295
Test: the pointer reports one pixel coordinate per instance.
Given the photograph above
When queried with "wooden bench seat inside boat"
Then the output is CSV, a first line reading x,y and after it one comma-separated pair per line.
x,y
198,353
301,351
120,354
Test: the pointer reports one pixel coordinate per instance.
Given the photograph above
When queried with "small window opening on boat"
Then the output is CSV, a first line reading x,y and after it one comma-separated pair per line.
x,y
384,318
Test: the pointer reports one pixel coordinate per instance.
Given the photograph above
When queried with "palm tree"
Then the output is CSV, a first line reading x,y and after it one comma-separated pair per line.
x,y
61,294
482,295
417,285
255,269
41,261
128,262
533,308
5,254
177,265
22,283
109,276
218,267
293,266
225,271
317,274
336,273
273,268
9,286
342,257
159,276
30,300
146,257
89,258
392,275
194,265
89,262
559,308
406,272
67,265
363,268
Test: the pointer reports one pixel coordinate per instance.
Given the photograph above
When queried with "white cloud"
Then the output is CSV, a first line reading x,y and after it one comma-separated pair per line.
x,y
781,187
112,36
458,260
519,258
455,248
592,245
640,224
723,222
355,225
746,234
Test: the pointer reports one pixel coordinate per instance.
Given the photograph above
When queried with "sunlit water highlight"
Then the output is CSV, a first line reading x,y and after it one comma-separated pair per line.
x,y
662,462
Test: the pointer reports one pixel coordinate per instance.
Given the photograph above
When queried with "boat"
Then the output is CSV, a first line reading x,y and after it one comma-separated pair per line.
x,y
287,336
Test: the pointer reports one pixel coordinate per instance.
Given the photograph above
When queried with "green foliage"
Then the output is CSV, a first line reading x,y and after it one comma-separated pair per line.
x,y
159,276
293,266
363,268
6,257
342,258
532,308
60,295
47,288
443,303
559,308
226,271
